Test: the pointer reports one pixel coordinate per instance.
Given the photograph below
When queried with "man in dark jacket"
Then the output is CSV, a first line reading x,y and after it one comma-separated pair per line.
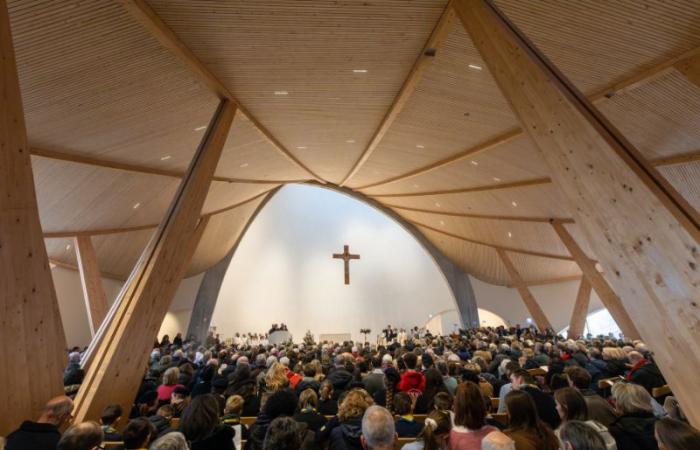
x,y
43,434
644,372
546,407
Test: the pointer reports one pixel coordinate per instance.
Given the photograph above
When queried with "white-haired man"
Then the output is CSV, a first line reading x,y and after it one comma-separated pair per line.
x,y
378,430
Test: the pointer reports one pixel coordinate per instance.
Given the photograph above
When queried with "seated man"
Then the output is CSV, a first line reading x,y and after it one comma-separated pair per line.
x,y
644,372
546,407
84,436
110,417
378,432
138,434
598,408
44,433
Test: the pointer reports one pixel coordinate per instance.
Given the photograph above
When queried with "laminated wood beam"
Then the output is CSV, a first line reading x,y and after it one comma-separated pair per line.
x,y
644,233
578,316
123,346
90,278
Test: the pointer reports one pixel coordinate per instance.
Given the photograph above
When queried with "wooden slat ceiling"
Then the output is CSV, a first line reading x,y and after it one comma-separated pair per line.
x,y
96,84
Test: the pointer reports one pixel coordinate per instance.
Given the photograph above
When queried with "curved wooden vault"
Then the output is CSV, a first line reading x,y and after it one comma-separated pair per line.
x,y
525,144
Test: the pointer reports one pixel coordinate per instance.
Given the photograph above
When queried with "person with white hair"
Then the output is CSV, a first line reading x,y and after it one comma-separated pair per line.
x,y
73,374
387,361
171,441
378,430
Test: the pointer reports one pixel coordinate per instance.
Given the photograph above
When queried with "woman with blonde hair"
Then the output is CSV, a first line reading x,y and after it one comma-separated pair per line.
x,y
347,430
275,380
170,383
615,362
634,428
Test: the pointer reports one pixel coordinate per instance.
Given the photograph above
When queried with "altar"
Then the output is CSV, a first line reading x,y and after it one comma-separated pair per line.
x,y
336,338
279,337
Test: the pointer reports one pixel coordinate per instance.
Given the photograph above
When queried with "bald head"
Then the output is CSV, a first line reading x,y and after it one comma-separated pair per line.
x,y
57,410
378,431
84,436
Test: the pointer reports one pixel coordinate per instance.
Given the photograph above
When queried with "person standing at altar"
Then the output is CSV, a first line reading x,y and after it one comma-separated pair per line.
x,y
403,336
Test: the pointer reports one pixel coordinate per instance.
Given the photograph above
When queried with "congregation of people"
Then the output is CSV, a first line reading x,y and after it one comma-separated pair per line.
x,y
492,389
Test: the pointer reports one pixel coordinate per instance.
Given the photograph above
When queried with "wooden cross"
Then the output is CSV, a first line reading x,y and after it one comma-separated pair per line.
x,y
346,256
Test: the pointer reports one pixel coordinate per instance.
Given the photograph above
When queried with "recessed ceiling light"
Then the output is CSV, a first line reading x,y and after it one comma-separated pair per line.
x,y
301,147
510,235
165,158
350,141
475,66
420,146
442,222
67,247
281,93
203,127
359,70
437,204
514,203
136,205
244,165
430,316
475,163
496,179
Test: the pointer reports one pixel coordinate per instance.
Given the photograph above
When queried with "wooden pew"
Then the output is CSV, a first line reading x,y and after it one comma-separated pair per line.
x,y
400,442
109,445
248,421
175,423
662,391
501,418
607,383
537,372
495,401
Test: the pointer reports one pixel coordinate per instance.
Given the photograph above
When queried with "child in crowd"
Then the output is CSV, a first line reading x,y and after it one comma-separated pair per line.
x,y
406,425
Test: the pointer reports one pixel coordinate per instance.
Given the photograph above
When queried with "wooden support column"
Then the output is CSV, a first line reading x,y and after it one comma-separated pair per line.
x,y
530,303
578,316
645,235
690,68
33,343
91,280
121,356
607,296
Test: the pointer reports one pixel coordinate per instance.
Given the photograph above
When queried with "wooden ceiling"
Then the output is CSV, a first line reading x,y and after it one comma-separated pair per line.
x,y
387,97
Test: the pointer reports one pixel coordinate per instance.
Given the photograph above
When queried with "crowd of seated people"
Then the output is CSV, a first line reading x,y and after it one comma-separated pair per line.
x,y
479,389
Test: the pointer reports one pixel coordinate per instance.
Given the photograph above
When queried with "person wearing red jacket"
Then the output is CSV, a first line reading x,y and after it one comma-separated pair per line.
x,y
411,379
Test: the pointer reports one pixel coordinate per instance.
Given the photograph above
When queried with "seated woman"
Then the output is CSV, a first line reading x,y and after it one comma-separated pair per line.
x,y
577,435
434,383
435,434
170,383
346,431
327,405
308,413
201,425
525,426
571,405
470,418
672,434
634,428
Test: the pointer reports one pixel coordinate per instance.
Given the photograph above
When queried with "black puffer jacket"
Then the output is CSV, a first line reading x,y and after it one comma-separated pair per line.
x,y
634,432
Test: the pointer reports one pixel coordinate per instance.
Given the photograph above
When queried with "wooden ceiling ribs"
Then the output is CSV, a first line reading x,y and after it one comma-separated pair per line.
x,y
104,231
436,39
483,216
489,187
618,88
148,18
98,162
495,246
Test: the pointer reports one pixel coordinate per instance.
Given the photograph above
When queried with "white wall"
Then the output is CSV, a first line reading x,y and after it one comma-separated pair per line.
x,y
446,322
74,312
283,270
557,301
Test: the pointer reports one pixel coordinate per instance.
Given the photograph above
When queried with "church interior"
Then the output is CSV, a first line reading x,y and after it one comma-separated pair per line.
x,y
276,184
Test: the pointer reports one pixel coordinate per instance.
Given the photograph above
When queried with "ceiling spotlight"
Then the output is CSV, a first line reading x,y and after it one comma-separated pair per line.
x,y
359,70
165,158
420,146
350,141
430,316
136,205
496,179
514,204
475,163
244,165
281,93
301,147
474,67
203,127
510,235
67,247
442,222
